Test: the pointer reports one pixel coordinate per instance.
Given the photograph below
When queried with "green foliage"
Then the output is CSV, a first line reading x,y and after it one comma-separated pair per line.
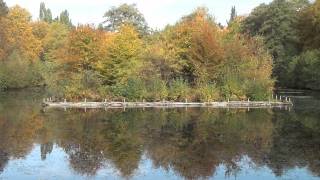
x,y
276,23
208,92
133,90
233,15
179,90
125,14
123,59
309,26
45,14
65,19
305,70
3,8
17,73
157,89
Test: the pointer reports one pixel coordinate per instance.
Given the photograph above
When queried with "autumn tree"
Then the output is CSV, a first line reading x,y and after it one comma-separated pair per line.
x,y
78,59
125,14
309,26
3,12
124,56
18,34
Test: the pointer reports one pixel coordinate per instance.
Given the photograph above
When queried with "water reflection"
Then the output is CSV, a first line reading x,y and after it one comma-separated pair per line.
x,y
192,143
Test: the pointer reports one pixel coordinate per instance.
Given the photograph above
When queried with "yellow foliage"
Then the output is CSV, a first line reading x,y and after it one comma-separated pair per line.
x,y
124,56
85,48
18,34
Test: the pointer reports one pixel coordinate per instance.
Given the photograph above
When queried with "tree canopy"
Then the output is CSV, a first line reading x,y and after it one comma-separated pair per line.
x,y
276,23
45,14
125,14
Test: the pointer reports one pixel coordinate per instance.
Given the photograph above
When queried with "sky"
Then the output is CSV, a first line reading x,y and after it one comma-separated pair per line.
x,y
158,13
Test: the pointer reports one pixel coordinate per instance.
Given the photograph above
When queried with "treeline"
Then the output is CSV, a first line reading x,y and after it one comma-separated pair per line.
x,y
291,30
195,59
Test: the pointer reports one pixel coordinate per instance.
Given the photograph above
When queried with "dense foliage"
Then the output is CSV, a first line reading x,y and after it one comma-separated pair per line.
x,y
194,59
290,29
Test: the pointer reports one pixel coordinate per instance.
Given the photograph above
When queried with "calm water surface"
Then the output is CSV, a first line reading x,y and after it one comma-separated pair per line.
x,y
191,143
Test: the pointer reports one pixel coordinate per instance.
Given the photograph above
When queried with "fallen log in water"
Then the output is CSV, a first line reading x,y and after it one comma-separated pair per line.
x,y
168,104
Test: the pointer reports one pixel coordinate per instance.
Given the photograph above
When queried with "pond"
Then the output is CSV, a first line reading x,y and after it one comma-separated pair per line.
x,y
184,143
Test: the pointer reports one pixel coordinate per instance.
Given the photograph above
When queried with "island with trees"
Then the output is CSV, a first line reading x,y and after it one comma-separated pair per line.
x,y
276,46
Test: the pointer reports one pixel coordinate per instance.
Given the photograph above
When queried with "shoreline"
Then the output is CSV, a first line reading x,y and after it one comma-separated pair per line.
x,y
168,104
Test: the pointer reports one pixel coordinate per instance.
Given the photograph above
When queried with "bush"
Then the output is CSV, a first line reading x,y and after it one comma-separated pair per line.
x,y
258,90
133,90
208,92
17,73
233,89
179,90
157,90
304,70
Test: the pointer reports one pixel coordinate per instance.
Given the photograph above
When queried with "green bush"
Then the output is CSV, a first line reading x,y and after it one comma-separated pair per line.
x,y
233,89
304,70
208,92
133,90
157,90
17,73
179,90
257,90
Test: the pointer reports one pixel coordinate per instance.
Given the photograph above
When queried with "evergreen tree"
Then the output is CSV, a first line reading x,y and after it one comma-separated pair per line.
x,y
45,14
65,19
3,8
233,15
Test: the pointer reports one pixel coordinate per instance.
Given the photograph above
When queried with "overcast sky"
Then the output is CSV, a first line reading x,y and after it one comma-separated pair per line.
x,y
158,13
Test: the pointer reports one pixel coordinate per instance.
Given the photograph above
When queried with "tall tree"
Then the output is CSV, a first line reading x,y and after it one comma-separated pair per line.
x,y
233,15
45,14
276,23
123,59
18,33
3,8
3,12
125,14
65,19
309,26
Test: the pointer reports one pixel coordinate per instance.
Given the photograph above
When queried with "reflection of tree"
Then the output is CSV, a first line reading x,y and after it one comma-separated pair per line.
x,y
3,160
46,149
124,144
206,140
192,142
19,123
295,144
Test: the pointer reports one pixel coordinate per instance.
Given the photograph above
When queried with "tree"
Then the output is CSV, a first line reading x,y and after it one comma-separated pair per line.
x,y
233,15
64,18
125,14
309,26
276,23
45,14
55,39
123,59
85,48
18,34
3,8
3,12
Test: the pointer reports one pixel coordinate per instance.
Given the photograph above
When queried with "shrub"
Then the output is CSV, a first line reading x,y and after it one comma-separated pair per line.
x,y
179,90
208,92
157,90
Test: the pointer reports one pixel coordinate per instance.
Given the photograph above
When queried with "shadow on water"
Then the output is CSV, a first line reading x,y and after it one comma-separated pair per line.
x,y
189,143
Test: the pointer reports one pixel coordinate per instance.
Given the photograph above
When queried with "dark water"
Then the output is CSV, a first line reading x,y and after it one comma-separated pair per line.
x,y
158,144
